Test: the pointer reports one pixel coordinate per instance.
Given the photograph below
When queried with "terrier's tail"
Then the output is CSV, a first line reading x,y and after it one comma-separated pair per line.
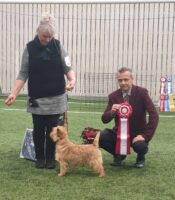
x,y
96,140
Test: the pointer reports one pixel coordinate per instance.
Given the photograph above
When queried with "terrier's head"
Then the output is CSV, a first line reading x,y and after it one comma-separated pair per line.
x,y
58,133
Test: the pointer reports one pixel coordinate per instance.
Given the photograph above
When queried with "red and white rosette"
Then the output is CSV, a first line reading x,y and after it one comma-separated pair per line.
x,y
163,85
123,132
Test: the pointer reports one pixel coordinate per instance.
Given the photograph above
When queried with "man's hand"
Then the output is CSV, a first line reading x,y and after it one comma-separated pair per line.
x,y
114,109
138,138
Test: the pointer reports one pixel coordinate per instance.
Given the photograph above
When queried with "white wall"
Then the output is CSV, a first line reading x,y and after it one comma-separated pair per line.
x,y
99,37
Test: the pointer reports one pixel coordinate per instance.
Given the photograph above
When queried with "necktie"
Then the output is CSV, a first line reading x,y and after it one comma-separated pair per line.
x,y
126,98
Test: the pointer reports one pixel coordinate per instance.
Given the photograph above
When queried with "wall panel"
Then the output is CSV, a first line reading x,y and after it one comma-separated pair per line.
x,y
99,38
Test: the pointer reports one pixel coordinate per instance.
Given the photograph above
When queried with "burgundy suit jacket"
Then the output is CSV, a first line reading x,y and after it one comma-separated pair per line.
x,y
142,105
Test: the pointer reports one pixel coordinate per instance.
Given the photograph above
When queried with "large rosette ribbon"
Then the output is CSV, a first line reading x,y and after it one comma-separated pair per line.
x,y
123,132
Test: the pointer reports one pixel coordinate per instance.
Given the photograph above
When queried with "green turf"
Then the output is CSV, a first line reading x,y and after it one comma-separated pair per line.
x,y
20,180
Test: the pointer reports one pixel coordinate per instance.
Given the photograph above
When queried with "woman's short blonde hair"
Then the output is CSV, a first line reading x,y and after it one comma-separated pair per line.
x,y
47,24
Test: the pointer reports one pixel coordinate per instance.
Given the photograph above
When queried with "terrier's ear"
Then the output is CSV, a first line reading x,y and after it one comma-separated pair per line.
x,y
53,134
61,132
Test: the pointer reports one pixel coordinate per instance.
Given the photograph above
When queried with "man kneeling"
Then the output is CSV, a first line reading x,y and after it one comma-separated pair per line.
x,y
141,131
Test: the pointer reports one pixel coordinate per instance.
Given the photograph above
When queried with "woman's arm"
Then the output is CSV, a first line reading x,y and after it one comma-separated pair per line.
x,y
15,91
71,80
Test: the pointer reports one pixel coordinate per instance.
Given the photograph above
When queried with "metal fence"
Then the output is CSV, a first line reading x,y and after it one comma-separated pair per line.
x,y
99,38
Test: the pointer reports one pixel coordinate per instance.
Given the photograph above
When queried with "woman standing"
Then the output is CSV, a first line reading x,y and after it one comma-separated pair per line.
x,y
44,64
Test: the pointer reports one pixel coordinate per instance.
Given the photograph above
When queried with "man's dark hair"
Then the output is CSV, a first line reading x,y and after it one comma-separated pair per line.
x,y
124,69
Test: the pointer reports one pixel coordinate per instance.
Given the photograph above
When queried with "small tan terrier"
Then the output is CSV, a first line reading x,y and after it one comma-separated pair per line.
x,y
67,153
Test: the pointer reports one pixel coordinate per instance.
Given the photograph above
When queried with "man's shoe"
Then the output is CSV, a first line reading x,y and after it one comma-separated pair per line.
x,y
118,160
40,164
140,161
50,164
140,164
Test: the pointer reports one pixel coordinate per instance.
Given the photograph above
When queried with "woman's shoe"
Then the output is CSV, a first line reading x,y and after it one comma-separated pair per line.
x,y
40,164
50,164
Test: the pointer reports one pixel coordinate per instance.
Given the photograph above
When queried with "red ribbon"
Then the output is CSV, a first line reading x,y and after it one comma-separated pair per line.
x,y
162,100
123,131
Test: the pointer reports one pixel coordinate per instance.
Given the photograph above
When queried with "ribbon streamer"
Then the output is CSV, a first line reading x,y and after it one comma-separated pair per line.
x,y
162,99
169,84
163,85
123,132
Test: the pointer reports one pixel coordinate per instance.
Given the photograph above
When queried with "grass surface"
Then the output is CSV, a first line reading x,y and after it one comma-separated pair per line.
x,y
20,180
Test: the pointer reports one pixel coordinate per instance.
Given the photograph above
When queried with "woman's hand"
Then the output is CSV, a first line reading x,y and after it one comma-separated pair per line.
x,y
10,99
71,84
15,91
71,80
